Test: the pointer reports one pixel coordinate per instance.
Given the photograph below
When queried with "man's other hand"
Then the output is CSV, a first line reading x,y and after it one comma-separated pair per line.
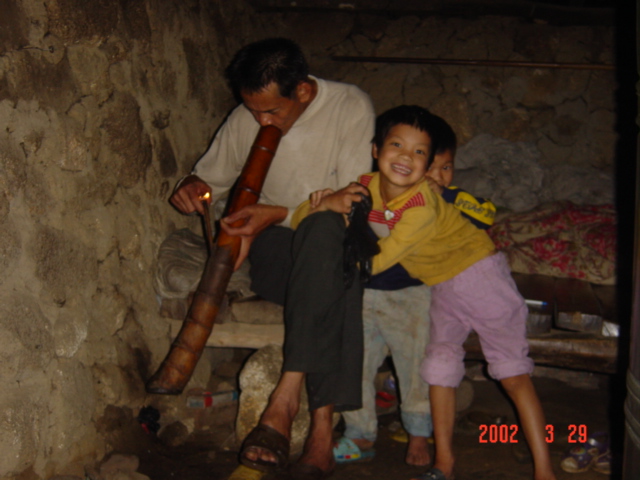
x,y
250,221
189,195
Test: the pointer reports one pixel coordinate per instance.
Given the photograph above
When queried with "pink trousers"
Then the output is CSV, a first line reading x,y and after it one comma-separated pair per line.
x,y
483,298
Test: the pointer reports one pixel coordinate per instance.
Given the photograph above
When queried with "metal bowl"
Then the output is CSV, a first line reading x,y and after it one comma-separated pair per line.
x,y
580,322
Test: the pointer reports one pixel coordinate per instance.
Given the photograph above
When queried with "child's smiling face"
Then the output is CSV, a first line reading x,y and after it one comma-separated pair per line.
x,y
402,159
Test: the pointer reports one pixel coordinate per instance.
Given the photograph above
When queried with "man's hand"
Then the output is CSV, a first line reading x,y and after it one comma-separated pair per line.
x,y
437,189
188,197
252,220
339,201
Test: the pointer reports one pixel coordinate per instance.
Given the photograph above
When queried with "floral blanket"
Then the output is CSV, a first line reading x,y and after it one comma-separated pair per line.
x,y
560,239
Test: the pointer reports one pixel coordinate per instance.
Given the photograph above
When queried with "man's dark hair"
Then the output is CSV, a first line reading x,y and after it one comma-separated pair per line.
x,y
414,116
257,65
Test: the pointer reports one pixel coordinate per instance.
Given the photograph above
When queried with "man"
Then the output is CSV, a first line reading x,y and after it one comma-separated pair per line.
x,y
327,130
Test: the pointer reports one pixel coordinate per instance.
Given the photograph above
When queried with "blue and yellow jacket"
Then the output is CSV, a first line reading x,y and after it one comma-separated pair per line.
x,y
480,211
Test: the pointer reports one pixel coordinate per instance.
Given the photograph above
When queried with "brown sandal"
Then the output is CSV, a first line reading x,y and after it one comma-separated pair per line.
x,y
266,438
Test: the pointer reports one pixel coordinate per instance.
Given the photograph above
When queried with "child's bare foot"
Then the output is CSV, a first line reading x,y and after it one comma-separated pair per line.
x,y
418,451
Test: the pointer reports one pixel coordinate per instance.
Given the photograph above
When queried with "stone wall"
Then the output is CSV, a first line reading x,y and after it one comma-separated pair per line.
x,y
104,105
556,125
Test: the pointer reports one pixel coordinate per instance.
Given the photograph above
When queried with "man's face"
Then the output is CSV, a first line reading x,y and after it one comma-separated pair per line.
x,y
268,107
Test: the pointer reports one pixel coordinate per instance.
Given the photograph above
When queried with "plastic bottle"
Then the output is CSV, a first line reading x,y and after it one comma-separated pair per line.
x,y
208,399
388,396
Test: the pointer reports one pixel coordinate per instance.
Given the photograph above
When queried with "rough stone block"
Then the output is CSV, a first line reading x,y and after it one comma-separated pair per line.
x,y
72,401
65,266
21,421
27,338
119,463
127,139
10,243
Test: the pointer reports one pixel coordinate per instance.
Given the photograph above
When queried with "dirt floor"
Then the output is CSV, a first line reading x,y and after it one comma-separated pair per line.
x,y
568,408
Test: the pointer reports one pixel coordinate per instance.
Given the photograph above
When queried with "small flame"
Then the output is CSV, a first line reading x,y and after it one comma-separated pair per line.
x,y
205,196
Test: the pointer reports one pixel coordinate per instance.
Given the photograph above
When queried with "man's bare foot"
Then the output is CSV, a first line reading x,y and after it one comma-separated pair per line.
x,y
318,448
418,451
319,453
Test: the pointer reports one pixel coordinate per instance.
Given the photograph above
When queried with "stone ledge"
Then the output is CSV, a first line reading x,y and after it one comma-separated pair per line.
x,y
241,335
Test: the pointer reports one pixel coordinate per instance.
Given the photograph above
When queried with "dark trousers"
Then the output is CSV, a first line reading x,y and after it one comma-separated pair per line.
x,y
323,319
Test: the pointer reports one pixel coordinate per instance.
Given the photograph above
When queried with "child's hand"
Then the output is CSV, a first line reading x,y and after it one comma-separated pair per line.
x,y
341,200
437,189
316,197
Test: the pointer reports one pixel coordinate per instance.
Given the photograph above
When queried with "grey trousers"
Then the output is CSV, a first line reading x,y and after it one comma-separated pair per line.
x,y
323,319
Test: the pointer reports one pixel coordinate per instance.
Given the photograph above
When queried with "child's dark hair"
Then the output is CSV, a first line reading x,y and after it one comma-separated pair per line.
x,y
442,135
257,65
446,140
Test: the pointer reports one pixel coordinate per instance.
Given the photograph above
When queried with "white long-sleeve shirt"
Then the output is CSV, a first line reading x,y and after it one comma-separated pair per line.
x,y
327,147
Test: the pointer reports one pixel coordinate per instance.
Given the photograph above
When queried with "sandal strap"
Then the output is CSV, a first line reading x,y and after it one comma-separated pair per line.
x,y
266,438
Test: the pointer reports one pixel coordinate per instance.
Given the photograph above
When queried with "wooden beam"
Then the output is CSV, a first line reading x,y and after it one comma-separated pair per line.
x,y
475,63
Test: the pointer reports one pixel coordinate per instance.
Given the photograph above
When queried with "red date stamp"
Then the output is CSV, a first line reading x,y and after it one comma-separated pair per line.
x,y
508,433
